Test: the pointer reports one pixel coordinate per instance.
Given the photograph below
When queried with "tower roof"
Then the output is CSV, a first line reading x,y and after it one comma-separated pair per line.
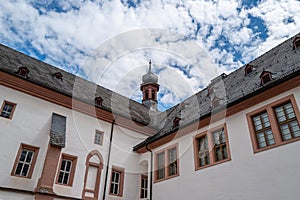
x,y
150,77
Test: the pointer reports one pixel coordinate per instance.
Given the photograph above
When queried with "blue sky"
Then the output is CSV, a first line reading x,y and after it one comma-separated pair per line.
x,y
111,42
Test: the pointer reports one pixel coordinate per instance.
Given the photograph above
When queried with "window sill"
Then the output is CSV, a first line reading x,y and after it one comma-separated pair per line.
x,y
166,178
213,164
257,150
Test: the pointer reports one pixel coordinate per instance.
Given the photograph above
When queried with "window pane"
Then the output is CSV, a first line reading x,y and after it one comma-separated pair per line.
x,y
25,170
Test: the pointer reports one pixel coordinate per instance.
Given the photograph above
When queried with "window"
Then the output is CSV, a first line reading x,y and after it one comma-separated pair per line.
x,y
248,69
99,137
296,42
263,131
144,187
176,122
166,163
25,161
67,170
215,102
23,71
146,94
274,124
211,147
116,181
98,101
94,165
265,77
58,75
7,109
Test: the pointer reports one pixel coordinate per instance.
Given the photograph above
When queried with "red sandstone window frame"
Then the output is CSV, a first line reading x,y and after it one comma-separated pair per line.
x,y
121,171
269,108
89,163
33,161
167,164
73,159
12,111
211,147
99,134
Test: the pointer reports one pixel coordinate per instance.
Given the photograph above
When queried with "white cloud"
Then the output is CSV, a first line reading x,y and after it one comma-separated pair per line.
x,y
113,42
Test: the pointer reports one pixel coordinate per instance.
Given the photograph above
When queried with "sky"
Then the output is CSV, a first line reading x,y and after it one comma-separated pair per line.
x,y
111,42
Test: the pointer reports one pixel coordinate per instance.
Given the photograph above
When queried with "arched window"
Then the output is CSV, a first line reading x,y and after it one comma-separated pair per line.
x,y
146,94
153,95
94,165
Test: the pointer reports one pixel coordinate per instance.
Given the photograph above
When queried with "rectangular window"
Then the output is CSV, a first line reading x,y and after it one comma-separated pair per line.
x,y
99,137
263,131
67,170
220,145
166,163
203,151
161,165
7,109
172,162
274,124
287,121
144,186
117,181
25,161
211,147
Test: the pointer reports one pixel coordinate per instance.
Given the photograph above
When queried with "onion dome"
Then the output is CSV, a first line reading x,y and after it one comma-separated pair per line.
x,y
150,77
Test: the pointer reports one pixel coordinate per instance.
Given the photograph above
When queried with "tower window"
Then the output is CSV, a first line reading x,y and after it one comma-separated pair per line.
x,y
23,71
146,94
265,77
153,95
296,42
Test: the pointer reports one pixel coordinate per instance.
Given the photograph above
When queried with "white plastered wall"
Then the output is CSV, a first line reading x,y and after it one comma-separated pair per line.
x,y
31,125
271,174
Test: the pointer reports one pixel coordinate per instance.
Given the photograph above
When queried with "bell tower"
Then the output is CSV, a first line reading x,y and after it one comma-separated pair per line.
x,y
150,87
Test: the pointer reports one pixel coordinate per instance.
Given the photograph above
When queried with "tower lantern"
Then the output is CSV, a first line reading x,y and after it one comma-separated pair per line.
x,y
150,87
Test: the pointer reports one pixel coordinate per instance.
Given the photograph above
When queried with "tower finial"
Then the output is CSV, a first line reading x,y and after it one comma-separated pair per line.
x,y
150,65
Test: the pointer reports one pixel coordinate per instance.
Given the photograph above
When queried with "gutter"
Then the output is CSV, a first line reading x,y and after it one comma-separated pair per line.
x,y
108,158
151,170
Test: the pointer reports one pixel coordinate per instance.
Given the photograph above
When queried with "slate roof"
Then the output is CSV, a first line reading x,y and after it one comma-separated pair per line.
x,y
283,62
43,74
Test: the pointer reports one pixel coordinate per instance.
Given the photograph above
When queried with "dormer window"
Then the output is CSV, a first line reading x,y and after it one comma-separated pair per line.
x,y
176,122
210,90
215,102
23,71
98,101
265,77
296,42
58,75
248,69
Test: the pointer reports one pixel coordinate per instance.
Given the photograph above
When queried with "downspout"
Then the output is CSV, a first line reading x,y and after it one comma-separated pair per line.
x,y
108,158
151,170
